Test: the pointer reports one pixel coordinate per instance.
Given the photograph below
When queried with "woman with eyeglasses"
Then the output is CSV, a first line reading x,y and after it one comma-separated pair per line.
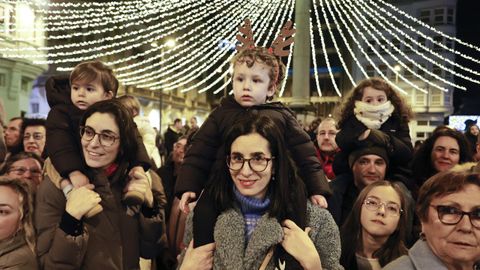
x,y
266,220
116,237
374,232
448,206
25,166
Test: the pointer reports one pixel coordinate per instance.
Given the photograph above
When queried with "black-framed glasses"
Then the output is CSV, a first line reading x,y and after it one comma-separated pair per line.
x,y
37,136
106,139
257,164
391,208
450,215
23,170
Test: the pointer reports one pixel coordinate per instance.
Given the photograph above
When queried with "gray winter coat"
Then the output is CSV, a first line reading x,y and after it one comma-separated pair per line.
x,y
229,235
420,257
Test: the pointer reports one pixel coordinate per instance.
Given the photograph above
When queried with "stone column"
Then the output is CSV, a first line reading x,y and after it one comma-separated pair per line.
x,y
301,56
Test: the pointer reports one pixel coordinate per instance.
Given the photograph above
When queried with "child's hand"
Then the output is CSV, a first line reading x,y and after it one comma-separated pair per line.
x,y
319,200
136,169
78,179
81,201
187,197
139,182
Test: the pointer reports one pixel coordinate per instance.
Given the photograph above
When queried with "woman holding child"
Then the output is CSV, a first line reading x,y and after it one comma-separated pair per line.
x,y
264,209
116,237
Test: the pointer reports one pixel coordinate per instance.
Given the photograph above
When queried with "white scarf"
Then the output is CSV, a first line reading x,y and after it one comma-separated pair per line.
x,y
373,116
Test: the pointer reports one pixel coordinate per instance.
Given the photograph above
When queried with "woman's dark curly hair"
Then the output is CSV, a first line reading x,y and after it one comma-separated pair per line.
x,y
422,166
262,55
124,121
402,110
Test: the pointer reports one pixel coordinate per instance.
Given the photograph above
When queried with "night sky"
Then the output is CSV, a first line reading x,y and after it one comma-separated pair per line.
x,y
468,29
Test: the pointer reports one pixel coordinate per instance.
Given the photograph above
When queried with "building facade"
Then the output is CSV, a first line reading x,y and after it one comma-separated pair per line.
x,y
433,105
20,26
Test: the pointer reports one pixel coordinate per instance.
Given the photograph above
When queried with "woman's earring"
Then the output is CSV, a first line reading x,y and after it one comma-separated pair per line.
x,y
273,178
423,236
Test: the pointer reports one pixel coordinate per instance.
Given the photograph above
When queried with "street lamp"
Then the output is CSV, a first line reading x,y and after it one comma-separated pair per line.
x,y
170,43
397,69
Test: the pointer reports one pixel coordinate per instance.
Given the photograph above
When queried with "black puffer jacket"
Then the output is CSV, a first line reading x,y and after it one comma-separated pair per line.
x,y
63,135
394,135
207,146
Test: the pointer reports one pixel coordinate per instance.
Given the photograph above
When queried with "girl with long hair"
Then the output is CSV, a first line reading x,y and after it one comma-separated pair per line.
x,y
374,232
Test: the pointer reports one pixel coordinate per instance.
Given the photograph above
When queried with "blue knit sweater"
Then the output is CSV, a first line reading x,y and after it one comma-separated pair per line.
x,y
252,210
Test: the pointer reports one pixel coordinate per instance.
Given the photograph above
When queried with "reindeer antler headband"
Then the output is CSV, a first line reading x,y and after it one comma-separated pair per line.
x,y
284,39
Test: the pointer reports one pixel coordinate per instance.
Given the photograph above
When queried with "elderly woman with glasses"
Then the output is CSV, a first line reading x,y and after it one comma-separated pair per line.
x,y
26,166
119,235
266,220
373,234
449,210
34,135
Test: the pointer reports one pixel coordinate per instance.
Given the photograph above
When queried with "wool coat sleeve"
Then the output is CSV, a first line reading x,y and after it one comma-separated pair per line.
x,y
326,238
200,157
305,157
62,142
56,249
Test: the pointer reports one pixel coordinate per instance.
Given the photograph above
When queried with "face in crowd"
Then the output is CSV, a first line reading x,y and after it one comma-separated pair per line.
x,y
326,133
28,169
374,96
380,212
474,130
251,85
85,93
100,140
445,153
250,164
12,133
179,151
10,212
368,169
452,227
178,125
193,122
34,138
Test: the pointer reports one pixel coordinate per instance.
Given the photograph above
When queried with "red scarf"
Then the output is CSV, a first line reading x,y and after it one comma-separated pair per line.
x,y
111,169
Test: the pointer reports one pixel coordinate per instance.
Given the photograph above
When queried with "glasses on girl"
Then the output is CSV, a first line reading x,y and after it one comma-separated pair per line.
x,y
391,208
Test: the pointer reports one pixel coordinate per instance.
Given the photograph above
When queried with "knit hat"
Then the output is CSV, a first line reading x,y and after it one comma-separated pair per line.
x,y
367,150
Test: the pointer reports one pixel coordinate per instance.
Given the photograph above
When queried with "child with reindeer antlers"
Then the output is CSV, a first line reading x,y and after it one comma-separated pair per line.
x,y
257,73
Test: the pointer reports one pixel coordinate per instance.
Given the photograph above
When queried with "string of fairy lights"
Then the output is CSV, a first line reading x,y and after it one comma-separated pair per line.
x,y
132,38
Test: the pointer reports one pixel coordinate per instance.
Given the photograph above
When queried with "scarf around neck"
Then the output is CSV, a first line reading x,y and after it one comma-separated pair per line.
x,y
373,116
252,210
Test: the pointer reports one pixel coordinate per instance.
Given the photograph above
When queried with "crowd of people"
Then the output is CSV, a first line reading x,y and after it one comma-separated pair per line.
x,y
90,187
